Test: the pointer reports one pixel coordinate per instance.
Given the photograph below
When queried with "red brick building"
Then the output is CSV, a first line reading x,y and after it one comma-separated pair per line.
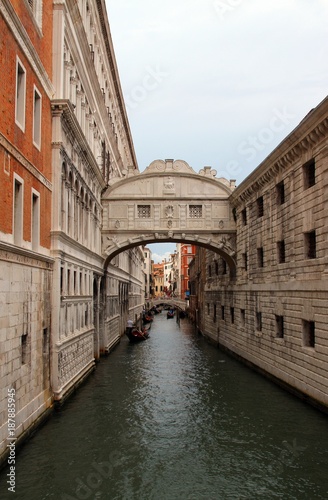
x,y
187,252
25,207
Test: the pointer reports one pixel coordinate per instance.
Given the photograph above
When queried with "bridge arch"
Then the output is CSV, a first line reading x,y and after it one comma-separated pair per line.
x,y
169,201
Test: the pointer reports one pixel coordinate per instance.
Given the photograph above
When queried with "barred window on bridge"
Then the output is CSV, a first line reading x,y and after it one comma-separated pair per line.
x,y
195,211
143,211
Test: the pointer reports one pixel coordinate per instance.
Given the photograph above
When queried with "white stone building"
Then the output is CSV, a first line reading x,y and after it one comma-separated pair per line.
x,y
91,144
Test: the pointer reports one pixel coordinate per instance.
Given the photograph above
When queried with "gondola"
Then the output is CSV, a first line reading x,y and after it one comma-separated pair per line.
x,y
135,335
170,314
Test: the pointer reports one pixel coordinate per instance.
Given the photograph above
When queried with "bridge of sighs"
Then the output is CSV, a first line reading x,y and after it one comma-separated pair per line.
x,y
169,201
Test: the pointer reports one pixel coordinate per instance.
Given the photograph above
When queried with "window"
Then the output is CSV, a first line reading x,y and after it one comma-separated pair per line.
x,y
37,107
195,211
242,317
25,349
281,251
244,217
259,321
222,313
210,270
259,206
36,9
310,245
260,257
143,211
20,95
232,315
224,266
280,191
35,229
279,326
208,308
18,211
244,260
216,267
214,313
45,342
308,333
309,174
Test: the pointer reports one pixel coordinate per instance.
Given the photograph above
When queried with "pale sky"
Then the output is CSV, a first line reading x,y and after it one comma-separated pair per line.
x,y
218,82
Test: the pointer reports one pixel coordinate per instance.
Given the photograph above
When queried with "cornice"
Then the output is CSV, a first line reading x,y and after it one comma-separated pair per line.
x,y
15,153
63,108
307,135
103,18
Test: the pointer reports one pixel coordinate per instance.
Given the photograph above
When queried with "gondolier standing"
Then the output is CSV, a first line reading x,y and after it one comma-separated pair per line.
x,y
129,326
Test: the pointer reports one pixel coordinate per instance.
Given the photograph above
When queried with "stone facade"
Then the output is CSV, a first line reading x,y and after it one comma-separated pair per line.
x,y
91,145
273,313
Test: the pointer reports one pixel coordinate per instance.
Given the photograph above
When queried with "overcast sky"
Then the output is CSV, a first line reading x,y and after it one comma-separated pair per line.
x,y
218,82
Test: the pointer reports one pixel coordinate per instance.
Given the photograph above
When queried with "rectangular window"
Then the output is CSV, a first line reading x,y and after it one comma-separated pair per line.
x,y
35,229
20,95
310,245
244,260
280,191
36,9
143,211
309,174
232,315
222,313
242,317
244,217
24,349
259,321
208,309
195,211
224,266
210,271
281,255
308,333
214,313
18,212
37,107
279,326
260,257
45,341
259,206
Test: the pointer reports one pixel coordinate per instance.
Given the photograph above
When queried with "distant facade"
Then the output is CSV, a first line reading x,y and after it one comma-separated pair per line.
x,y
187,252
148,273
158,278
272,312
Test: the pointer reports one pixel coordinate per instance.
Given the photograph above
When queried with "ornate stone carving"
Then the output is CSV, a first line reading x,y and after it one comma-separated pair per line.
x,y
169,211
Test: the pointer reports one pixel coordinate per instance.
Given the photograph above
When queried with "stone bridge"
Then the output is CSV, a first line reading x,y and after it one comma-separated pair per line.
x,y
171,301
169,201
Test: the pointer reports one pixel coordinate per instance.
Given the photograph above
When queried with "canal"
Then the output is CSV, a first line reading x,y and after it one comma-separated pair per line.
x,y
175,418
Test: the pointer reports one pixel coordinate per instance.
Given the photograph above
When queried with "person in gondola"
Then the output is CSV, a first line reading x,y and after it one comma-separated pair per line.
x,y
129,326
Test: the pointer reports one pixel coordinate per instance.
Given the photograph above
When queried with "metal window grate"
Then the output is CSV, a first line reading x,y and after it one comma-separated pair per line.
x,y
260,206
195,211
143,211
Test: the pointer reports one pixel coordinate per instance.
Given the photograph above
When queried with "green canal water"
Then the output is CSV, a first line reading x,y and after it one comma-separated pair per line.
x,y
175,418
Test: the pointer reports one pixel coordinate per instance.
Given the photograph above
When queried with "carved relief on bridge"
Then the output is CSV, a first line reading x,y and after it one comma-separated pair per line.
x,y
168,201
